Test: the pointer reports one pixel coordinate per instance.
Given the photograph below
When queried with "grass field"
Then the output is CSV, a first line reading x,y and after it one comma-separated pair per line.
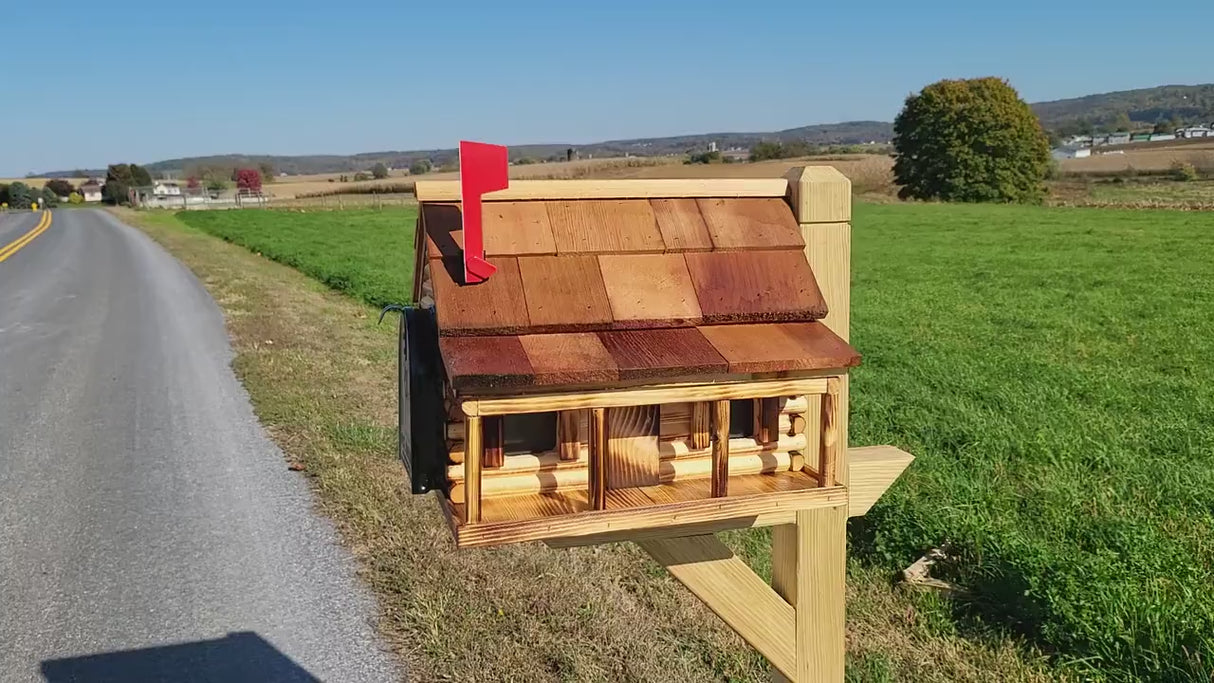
x,y
365,253
1049,367
321,375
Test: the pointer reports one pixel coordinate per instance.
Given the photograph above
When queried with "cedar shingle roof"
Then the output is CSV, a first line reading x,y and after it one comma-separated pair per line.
x,y
600,290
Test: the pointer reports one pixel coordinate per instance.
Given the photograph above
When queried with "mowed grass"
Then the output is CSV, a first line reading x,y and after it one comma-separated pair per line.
x,y
367,253
1051,370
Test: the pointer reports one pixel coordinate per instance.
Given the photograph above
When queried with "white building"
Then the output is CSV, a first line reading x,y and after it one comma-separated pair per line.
x,y
91,191
166,188
1071,153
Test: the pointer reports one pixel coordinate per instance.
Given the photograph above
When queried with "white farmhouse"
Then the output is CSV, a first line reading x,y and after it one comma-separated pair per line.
x,y
166,188
91,190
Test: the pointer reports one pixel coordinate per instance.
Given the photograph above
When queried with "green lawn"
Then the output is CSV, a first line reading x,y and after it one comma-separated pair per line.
x,y
365,253
1051,369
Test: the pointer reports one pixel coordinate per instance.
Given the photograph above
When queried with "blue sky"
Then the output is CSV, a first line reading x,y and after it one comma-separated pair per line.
x,y
94,83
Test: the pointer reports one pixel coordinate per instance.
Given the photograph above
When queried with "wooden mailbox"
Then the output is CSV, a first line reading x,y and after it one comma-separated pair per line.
x,y
652,361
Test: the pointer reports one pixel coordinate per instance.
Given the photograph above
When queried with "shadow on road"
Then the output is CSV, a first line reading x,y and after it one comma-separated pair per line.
x,y
237,658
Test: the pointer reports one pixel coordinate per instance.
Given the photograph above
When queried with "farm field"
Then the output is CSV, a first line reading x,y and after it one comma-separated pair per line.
x,y
1149,193
1151,159
871,175
38,182
1049,368
294,186
364,253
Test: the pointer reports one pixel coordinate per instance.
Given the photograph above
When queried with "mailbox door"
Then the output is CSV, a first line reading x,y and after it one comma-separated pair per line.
x,y
422,441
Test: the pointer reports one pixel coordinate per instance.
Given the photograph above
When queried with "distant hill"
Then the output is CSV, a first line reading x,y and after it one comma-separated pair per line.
x,y
1186,104
1148,106
847,133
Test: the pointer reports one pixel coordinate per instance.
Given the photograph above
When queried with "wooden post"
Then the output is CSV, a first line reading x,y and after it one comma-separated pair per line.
x,y
720,449
828,453
809,569
473,447
567,440
700,425
821,200
598,459
767,420
809,564
495,442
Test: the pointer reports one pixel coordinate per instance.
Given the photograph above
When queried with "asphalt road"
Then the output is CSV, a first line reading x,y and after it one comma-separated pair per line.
x,y
149,530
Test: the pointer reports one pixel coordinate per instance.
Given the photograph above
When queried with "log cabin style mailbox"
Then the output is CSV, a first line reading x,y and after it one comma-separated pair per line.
x,y
649,361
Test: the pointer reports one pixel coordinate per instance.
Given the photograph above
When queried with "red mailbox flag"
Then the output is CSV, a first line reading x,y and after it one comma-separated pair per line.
x,y
482,168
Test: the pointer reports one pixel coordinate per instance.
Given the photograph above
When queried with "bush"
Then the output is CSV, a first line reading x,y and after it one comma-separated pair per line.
x,y
361,177
75,198
970,140
20,196
379,171
1182,171
420,167
766,150
248,180
48,198
704,158
781,150
60,187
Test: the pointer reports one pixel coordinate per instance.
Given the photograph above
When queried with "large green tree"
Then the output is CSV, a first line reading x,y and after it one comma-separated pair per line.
x,y
60,187
970,140
20,196
120,178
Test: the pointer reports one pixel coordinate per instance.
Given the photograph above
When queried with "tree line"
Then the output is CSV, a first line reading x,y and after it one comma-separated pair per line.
x,y
19,195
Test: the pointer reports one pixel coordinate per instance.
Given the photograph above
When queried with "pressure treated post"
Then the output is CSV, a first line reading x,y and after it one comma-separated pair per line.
x,y
809,557
809,570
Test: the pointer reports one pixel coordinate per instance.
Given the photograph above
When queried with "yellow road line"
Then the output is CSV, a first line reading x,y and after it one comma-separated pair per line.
x,y
15,246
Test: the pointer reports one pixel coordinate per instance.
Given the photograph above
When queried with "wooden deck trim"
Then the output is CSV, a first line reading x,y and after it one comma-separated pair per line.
x,y
873,470
727,513
647,188
617,398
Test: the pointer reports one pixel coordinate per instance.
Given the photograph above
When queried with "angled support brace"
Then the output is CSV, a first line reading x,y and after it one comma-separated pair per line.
x,y
797,623
733,591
